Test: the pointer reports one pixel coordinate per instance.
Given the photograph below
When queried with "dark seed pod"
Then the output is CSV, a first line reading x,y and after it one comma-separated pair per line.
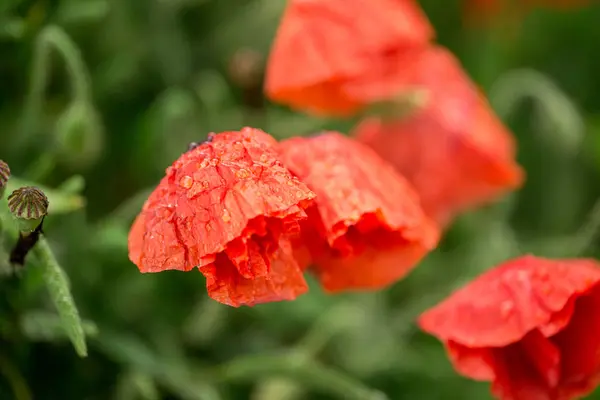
x,y
4,176
29,205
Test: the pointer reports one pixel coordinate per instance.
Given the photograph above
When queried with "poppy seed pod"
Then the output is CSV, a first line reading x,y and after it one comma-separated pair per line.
x,y
79,134
29,205
4,177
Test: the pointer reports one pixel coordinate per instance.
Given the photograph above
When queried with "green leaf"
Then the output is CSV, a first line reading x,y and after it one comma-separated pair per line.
x,y
60,202
60,292
44,326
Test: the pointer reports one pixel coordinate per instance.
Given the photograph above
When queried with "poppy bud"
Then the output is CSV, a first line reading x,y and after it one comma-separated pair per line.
x,y
4,176
29,205
79,134
245,68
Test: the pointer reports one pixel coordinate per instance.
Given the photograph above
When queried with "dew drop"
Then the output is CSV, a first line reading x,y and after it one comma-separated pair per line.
x,y
226,216
186,182
242,173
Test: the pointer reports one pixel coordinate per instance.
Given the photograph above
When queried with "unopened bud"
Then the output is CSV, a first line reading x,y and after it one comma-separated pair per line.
x,y
29,205
4,177
246,67
79,134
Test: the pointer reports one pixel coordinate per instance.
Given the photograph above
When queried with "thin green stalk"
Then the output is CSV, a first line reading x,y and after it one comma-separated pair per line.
x,y
588,233
15,379
127,210
51,38
328,325
309,373
561,121
58,286
324,329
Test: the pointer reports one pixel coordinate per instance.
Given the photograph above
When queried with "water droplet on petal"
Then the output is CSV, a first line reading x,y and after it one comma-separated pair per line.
x,y
186,182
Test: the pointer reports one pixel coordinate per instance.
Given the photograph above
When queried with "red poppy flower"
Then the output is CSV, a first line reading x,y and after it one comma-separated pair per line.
x,y
366,228
454,150
323,45
530,325
226,207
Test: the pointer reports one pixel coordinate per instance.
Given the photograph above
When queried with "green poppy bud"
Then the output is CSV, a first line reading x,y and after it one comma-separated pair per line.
x,y
29,205
80,135
4,177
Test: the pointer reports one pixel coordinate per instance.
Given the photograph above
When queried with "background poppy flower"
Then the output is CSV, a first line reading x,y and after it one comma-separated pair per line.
x,y
224,207
321,45
366,228
454,150
530,325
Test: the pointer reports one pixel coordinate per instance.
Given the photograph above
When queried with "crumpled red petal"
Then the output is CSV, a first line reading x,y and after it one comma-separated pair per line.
x,y
505,303
317,48
455,151
284,280
527,370
366,229
229,200
579,345
531,327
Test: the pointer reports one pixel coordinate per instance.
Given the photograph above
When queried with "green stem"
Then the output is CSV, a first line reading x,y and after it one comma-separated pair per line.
x,y
58,286
588,232
53,37
41,168
127,210
325,328
15,379
556,113
5,267
309,373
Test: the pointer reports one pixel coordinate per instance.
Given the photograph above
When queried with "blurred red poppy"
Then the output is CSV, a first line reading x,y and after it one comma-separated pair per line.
x,y
454,149
531,326
366,228
323,45
226,207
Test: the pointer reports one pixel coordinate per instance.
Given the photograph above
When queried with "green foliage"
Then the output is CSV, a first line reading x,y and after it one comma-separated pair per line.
x,y
129,84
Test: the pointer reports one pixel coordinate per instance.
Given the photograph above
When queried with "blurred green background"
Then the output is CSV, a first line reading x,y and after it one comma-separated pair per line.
x,y
98,97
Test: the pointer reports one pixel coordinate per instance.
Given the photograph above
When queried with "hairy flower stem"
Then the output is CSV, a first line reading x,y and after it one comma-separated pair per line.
x,y
58,287
53,37
26,242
